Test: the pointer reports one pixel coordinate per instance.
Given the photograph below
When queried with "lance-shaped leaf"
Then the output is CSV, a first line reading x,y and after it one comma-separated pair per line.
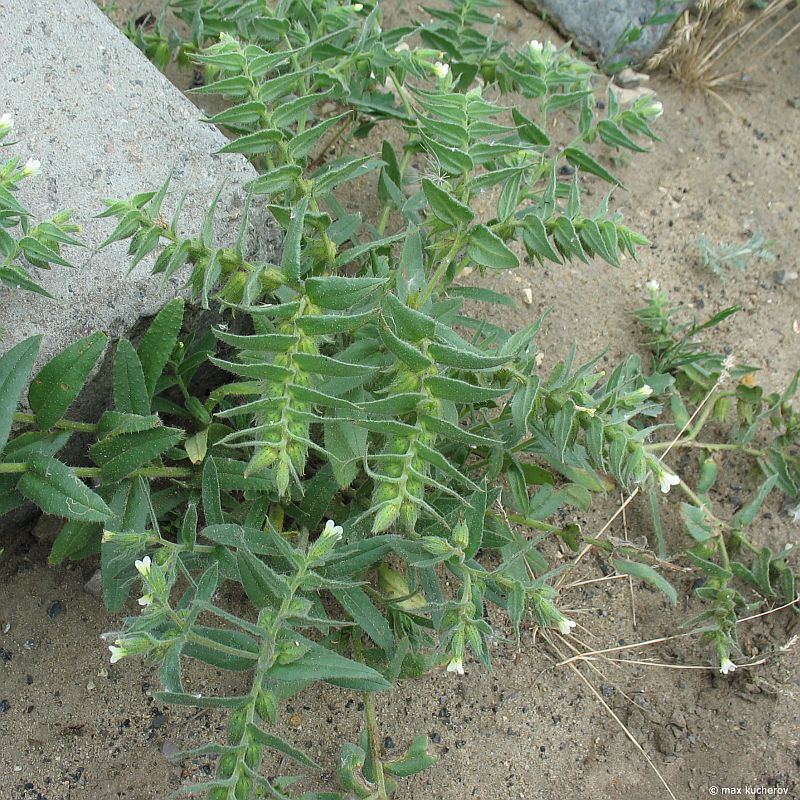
x,y
290,260
263,585
15,366
57,490
118,456
488,249
340,293
647,574
130,388
159,341
461,391
445,207
58,383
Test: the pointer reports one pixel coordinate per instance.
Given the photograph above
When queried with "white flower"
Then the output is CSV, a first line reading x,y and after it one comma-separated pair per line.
x,y
667,479
143,566
441,70
642,393
6,124
117,653
726,666
357,7
402,47
107,536
31,167
653,110
146,600
456,665
565,625
653,285
536,47
331,529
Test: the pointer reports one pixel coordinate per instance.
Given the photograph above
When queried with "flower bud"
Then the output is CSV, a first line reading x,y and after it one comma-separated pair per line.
x,y
6,124
31,168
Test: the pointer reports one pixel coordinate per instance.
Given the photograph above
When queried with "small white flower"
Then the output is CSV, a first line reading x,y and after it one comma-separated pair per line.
x,y
6,124
107,536
456,665
117,653
535,46
357,7
654,110
667,479
565,625
143,566
331,529
31,168
441,70
726,666
146,600
642,393
653,285
402,47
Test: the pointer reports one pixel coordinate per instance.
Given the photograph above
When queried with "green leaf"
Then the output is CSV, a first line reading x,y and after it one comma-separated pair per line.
x,y
159,341
340,293
264,586
276,180
410,324
445,207
361,610
319,663
74,537
254,144
275,742
15,366
290,259
746,515
118,456
347,444
461,391
212,501
59,382
130,389
611,135
534,236
488,249
580,158
55,488
465,359
647,574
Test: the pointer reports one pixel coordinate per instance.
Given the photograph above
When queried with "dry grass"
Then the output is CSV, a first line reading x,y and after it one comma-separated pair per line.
x,y
714,45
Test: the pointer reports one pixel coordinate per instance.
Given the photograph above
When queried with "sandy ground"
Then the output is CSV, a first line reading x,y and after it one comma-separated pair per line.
x,y
73,726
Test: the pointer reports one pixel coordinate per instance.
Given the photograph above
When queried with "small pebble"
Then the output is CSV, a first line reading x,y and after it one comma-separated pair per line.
x,y
55,609
629,78
4,706
388,743
527,295
784,276
94,585
435,737
158,721
169,749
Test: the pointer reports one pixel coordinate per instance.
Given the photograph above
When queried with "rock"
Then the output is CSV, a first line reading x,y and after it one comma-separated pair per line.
x,y
169,749
628,78
597,25
627,96
527,295
47,528
55,608
784,276
94,585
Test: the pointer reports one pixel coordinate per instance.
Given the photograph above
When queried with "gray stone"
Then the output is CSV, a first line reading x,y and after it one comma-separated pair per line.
x,y
105,124
94,585
596,25
47,528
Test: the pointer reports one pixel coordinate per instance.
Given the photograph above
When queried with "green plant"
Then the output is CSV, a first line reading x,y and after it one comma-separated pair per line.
x,y
22,244
717,258
365,392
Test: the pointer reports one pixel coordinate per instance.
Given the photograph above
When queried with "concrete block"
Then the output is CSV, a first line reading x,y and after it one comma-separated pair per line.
x,y
105,124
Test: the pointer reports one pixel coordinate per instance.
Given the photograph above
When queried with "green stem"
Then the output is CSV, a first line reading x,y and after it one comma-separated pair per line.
x,y
703,418
751,451
373,733
441,270
19,467
387,209
62,424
